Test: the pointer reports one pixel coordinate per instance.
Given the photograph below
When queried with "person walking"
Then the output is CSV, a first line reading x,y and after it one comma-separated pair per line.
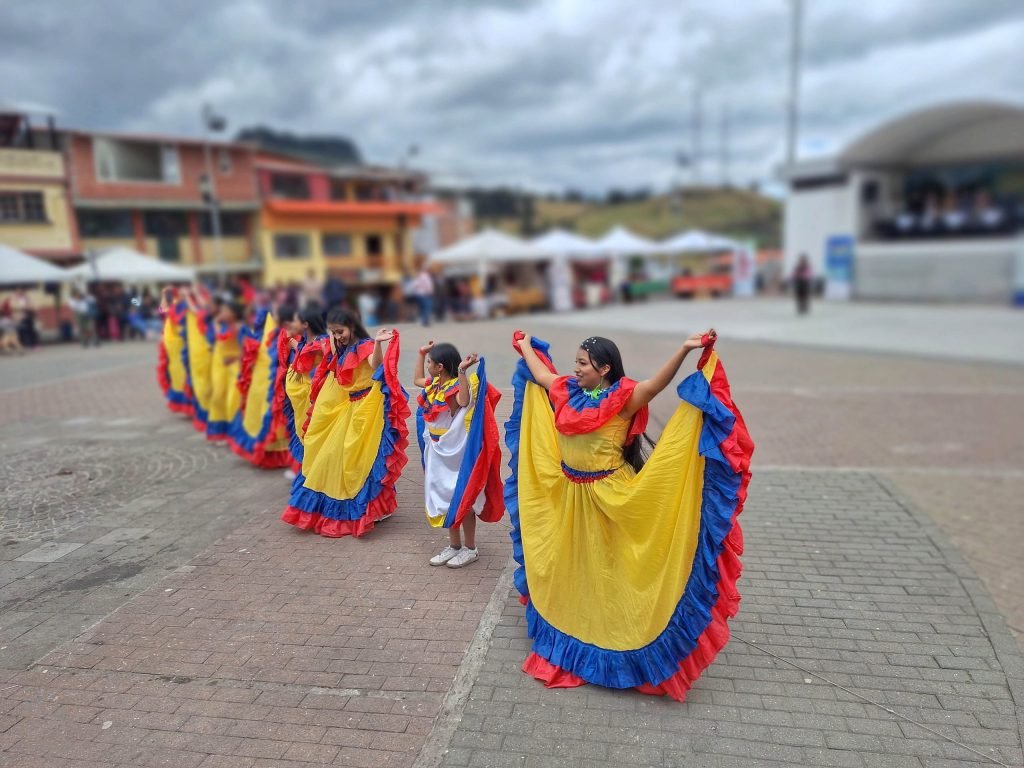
x,y
802,277
84,318
423,292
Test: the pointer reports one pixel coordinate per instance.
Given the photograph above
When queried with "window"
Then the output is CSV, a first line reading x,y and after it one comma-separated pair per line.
x,y
231,224
170,169
367,192
105,224
165,224
336,244
339,190
119,160
22,207
374,245
224,161
289,186
291,246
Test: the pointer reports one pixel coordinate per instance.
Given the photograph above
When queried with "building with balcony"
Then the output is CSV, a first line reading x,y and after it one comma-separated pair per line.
x,y
354,222
35,205
151,193
931,202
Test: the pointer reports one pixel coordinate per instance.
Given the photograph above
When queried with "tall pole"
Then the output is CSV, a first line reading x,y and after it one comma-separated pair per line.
x,y
793,103
695,134
213,122
723,144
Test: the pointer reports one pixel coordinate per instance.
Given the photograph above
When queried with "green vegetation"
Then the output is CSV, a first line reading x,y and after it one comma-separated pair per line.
x,y
734,212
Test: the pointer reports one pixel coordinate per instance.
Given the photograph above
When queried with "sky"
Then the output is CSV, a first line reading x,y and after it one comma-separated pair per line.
x,y
546,95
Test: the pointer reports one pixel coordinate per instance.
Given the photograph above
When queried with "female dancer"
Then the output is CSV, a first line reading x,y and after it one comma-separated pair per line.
x,y
628,569
172,366
355,436
225,398
199,344
458,437
304,345
258,433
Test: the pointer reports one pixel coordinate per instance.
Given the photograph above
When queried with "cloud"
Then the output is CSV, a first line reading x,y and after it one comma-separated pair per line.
x,y
560,92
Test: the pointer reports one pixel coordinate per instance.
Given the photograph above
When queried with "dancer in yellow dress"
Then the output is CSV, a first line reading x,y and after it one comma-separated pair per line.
x,y
306,346
628,568
225,398
172,366
356,437
199,336
259,433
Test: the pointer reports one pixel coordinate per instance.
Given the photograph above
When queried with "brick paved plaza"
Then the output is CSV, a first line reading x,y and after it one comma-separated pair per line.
x,y
155,612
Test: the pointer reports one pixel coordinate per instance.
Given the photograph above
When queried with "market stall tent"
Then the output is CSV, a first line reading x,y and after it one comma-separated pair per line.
x,y
18,268
124,265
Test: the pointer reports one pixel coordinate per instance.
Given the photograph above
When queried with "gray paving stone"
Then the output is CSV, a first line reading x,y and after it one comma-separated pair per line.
x,y
829,616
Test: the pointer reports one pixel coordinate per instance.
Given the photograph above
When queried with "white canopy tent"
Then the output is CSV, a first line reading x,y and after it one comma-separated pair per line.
x,y
697,240
566,247
479,253
488,247
623,242
560,242
619,243
128,266
17,268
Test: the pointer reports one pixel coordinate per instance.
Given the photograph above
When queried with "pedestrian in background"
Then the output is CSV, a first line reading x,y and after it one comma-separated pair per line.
x,y
423,293
802,277
9,341
84,318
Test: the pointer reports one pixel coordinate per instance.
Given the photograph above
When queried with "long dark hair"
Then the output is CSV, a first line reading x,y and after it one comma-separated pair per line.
x,y
286,313
602,352
339,316
447,356
313,316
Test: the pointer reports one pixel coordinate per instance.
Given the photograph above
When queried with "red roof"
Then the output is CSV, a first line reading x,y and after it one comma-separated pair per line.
x,y
374,208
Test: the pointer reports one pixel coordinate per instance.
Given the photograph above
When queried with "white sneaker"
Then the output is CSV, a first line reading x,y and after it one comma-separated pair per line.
x,y
464,557
444,555
289,474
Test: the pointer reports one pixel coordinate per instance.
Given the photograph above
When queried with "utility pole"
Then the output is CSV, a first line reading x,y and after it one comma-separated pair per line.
x,y
214,122
696,119
723,145
793,103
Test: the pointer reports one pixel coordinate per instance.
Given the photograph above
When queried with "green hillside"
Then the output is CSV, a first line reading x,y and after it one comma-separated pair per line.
x,y
733,212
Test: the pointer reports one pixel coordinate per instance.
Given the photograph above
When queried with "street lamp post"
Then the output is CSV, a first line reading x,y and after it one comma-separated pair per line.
x,y
214,122
793,102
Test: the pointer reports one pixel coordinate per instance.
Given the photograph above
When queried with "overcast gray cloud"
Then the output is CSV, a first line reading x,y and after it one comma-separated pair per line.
x,y
554,93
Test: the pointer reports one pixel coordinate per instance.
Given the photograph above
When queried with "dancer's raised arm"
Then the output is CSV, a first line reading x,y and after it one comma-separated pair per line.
x,y
383,335
647,389
540,372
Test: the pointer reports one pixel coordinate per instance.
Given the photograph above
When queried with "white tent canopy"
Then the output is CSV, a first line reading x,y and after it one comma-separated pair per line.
x,y
20,268
489,246
128,266
697,240
623,242
560,242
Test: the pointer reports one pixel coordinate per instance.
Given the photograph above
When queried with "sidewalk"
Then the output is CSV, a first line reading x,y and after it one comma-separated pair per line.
x,y
242,642
957,332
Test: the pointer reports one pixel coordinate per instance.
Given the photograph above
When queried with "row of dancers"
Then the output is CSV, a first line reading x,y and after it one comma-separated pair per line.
x,y
626,551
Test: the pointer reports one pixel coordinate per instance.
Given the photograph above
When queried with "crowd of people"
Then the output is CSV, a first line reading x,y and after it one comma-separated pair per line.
x,y
627,551
951,213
